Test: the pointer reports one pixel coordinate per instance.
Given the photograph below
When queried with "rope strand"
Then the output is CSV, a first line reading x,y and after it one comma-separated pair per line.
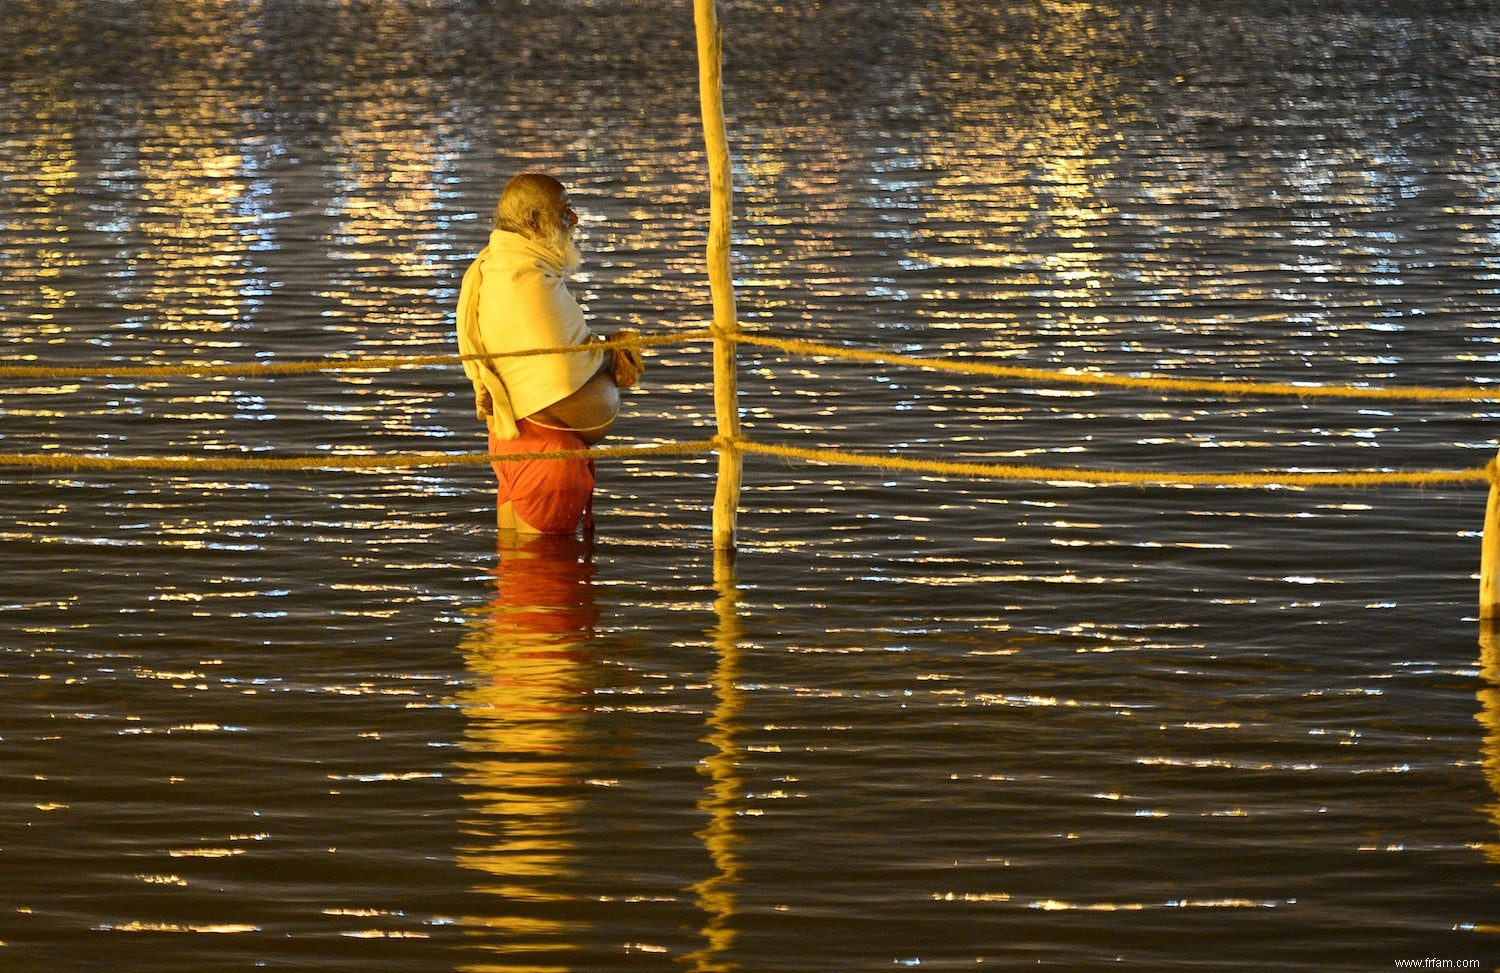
x,y
338,463
995,471
1002,471
1215,386
971,470
372,363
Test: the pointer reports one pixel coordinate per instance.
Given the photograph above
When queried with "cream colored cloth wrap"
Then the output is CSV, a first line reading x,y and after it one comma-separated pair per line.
x,y
514,298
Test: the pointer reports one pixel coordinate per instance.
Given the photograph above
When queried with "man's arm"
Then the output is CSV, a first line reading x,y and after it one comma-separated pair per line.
x,y
591,411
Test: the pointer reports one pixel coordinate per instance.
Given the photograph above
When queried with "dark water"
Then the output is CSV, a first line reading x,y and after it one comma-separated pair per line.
x,y
317,721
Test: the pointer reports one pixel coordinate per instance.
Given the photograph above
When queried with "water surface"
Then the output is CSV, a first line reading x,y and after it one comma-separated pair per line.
x,y
323,720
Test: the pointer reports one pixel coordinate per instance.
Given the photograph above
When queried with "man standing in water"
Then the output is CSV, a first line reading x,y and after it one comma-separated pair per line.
x,y
515,298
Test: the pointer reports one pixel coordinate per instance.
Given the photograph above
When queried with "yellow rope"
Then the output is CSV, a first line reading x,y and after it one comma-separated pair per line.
x,y
998,471
341,462
372,363
1225,387
991,471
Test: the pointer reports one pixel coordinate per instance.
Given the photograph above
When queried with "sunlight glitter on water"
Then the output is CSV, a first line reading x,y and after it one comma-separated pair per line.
x,y
320,721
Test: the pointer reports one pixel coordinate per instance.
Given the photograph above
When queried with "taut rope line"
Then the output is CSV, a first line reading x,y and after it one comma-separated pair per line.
x,y
1002,471
1216,386
972,470
336,463
732,444
373,363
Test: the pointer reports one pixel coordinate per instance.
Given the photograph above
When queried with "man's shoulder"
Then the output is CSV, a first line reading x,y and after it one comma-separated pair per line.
x,y
523,266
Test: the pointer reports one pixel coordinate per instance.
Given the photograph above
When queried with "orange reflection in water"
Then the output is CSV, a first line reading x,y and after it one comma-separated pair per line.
x,y
528,660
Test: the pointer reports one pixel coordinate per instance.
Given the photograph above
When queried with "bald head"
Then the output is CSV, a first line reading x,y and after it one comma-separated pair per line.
x,y
536,206
531,204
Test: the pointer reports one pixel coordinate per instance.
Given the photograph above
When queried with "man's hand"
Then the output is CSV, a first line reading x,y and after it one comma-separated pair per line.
x,y
628,363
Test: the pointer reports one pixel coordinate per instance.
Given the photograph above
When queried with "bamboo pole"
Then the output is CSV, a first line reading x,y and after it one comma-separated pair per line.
x,y
1489,550
721,281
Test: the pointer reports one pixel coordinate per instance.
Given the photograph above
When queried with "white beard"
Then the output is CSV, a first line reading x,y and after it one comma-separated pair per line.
x,y
563,244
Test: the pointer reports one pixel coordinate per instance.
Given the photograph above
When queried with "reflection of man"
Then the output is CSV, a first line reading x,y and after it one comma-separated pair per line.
x,y
525,749
515,298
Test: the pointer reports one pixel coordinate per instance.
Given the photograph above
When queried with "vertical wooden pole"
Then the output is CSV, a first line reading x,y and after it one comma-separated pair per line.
x,y
716,895
1489,550
721,281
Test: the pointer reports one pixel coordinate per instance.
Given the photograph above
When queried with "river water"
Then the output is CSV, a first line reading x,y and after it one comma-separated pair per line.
x,y
324,721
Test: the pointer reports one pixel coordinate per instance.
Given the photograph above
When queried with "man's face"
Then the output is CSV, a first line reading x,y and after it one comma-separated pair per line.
x,y
562,234
567,216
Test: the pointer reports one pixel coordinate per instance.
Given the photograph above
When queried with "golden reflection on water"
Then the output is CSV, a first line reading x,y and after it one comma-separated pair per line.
x,y
196,219
193,275
724,799
1489,718
38,210
388,197
1038,179
528,661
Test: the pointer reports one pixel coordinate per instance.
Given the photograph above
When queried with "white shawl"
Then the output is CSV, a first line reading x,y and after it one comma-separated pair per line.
x,y
514,298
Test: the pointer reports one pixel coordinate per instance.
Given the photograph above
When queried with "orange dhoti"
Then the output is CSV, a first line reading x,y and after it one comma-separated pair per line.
x,y
553,496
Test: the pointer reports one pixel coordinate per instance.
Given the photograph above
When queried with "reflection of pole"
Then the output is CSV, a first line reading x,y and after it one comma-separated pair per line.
x,y
723,799
1489,549
721,282
1489,718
